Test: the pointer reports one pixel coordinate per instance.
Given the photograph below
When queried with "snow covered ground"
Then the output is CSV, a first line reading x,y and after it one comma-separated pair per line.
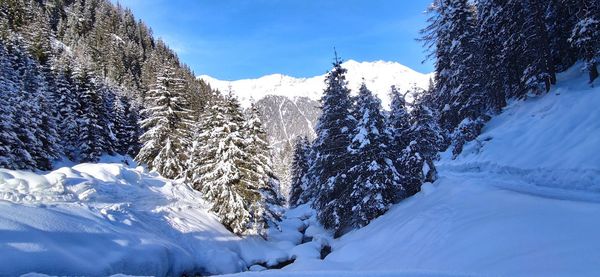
x,y
522,200
108,218
102,219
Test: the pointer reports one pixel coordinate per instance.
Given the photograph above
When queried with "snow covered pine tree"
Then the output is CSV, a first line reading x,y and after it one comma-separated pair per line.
x,y
374,179
586,35
223,168
258,167
333,160
167,123
299,170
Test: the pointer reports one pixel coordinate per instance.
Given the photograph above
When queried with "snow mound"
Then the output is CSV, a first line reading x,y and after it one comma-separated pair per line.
x,y
103,219
109,218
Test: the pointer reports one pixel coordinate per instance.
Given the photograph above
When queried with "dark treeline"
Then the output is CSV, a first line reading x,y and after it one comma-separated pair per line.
x,y
486,53
83,78
74,77
490,51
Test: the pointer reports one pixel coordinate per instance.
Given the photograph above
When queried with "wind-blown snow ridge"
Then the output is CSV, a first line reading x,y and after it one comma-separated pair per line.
x,y
378,76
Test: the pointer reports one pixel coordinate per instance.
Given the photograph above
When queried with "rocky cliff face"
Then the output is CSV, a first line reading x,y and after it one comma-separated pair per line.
x,y
285,119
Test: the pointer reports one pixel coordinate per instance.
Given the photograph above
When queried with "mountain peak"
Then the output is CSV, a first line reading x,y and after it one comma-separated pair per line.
x,y
378,75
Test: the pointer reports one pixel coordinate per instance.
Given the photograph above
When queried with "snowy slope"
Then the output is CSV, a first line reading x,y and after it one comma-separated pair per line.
x,y
378,76
107,218
522,200
552,140
102,219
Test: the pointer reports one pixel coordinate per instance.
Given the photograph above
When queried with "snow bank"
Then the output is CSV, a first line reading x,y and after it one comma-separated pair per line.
x,y
108,218
467,226
102,219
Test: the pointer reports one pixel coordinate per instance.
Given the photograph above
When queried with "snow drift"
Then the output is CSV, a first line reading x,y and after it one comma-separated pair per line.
x,y
108,218
102,219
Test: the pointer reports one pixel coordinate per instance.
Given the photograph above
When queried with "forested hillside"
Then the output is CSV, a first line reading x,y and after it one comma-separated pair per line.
x,y
84,78
486,54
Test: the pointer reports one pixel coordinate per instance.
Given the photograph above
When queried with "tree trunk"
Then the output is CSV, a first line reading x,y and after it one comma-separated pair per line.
x,y
432,173
593,72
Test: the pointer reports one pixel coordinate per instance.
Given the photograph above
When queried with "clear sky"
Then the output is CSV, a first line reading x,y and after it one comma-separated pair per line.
x,y
236,39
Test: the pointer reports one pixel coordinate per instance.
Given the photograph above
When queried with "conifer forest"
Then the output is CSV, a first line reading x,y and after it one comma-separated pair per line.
x,y
117,158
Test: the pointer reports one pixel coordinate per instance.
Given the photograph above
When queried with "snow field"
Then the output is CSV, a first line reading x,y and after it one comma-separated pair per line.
x,y
521,200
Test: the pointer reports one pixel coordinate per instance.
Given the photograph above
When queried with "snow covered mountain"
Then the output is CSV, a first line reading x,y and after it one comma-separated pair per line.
x,y
289,106
378,76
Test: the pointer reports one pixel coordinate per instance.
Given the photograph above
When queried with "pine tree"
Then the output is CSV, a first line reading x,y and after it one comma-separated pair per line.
x,y
492,70
216,166
398,124
560,19
257,169
453,35
436,38
540,71
426,139
299,171
512,20
9,141
375,181
109,95
124,130
119,124
133,130
407,162
48,131
29,118
332,159
91,139
167,120
586,35
68,117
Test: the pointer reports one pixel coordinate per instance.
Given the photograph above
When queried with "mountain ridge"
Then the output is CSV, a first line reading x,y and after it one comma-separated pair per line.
x,y
378,75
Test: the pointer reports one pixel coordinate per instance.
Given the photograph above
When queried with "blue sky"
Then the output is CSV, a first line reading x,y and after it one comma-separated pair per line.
x,y
236,39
